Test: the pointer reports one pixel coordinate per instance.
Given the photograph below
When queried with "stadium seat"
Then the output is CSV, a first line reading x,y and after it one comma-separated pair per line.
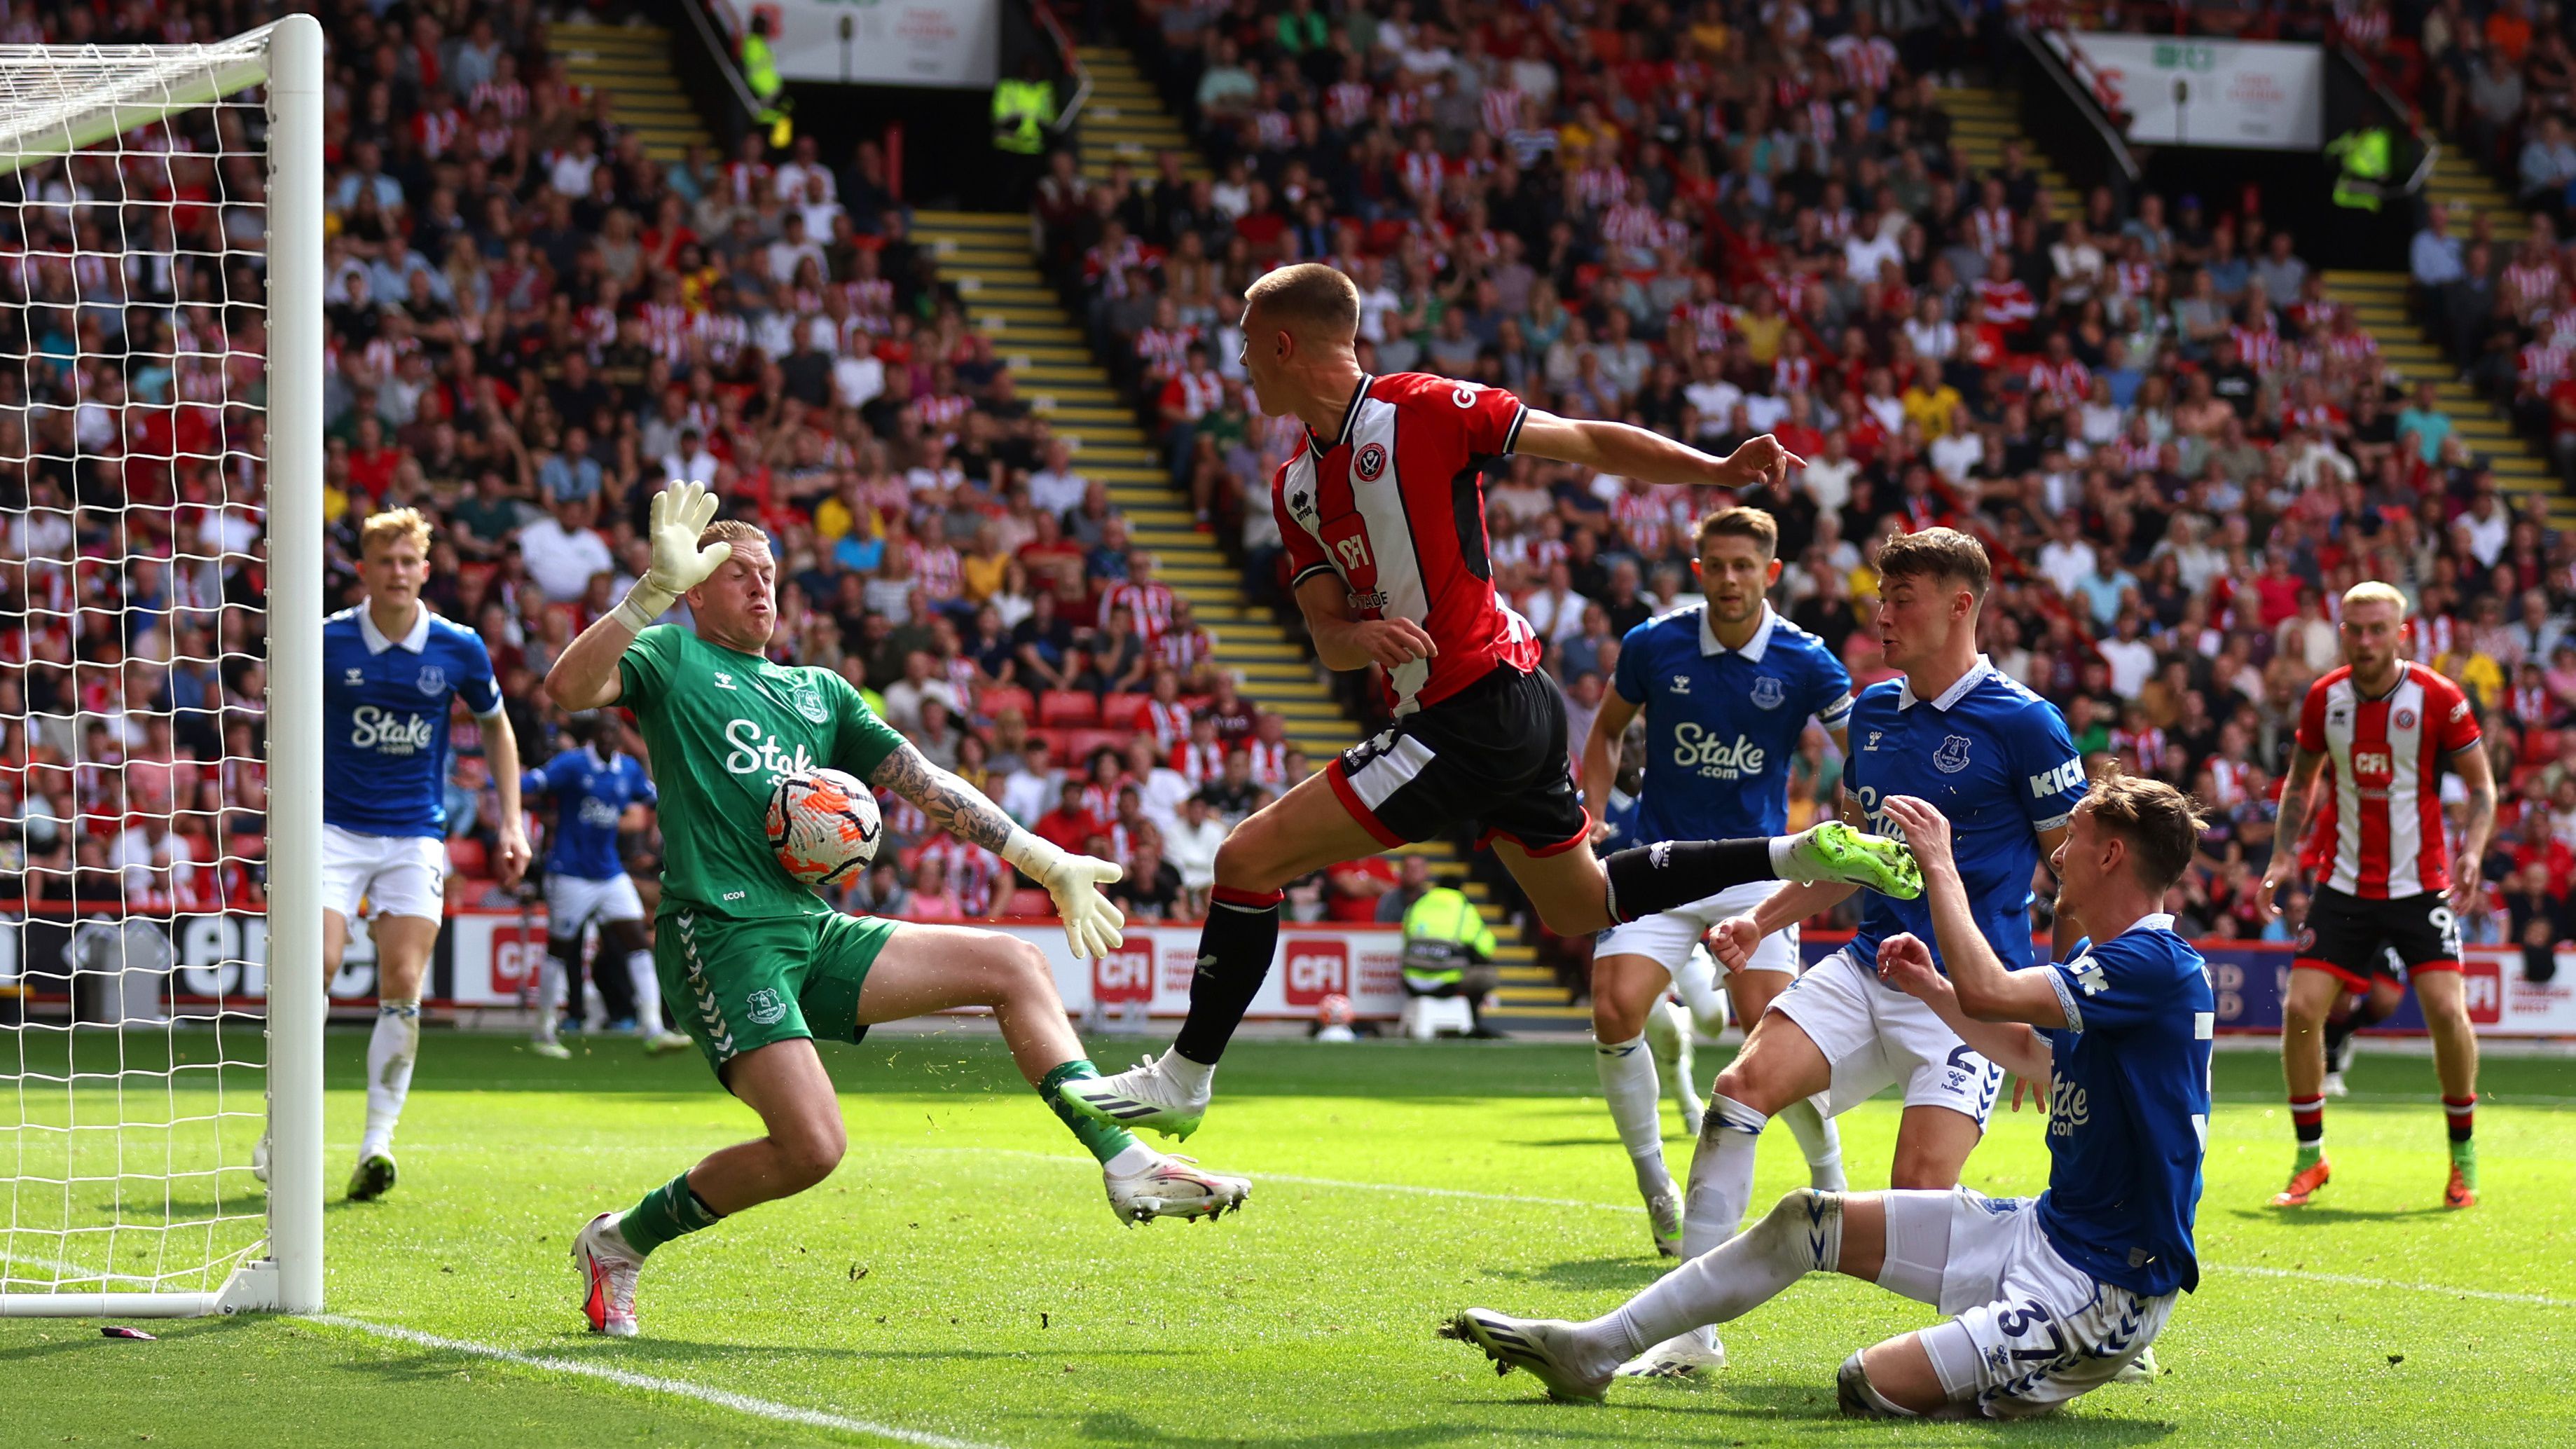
x,y
1030,901
467,857
1001,699
1080,744
1065,708
1119,709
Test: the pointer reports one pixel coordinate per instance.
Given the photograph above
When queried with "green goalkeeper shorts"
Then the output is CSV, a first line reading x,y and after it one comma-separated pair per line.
x,y
739,985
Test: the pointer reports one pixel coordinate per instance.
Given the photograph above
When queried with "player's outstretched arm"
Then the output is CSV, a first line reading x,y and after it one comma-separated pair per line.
x,y
1093,927
501,747
1986,991
585,677
1633,452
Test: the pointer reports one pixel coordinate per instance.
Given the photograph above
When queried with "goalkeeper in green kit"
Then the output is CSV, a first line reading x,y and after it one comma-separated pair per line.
x,y
756,965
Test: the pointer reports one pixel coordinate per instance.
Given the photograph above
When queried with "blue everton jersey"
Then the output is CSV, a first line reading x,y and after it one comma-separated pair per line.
x,y
1993,757
1722,724
2128,1107
384,719
590,795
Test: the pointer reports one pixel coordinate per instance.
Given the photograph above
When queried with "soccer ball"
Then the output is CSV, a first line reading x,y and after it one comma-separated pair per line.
x,y
824,826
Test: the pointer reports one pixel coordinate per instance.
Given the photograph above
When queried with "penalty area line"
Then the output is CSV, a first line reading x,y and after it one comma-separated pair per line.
x,y
2353,1280
769,1409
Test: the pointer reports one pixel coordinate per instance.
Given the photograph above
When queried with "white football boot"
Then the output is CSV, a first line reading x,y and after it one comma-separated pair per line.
x,y
1685,1356
550,1049
1668,1035
1173,1187
1544,1346
608,1267
1145,1095
659,1043
2334,1086
1664,1220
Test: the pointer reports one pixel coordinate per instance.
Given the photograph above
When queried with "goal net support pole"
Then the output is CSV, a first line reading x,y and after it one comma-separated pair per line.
x,y
59,100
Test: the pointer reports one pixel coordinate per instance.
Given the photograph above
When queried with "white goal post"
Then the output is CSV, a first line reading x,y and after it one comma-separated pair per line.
x,y
161,486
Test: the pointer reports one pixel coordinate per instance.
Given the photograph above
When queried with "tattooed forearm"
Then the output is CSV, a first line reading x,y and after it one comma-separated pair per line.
x,y
951,803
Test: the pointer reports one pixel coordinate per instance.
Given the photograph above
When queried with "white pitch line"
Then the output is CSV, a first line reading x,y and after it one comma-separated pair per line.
x,y
769,1409
2352,1280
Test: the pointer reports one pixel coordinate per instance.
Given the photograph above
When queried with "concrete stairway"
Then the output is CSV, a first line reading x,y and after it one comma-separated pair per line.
x,y
632,64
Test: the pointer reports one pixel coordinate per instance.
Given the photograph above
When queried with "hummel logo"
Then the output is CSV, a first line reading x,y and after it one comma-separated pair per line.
x,y
355,676
723,680
1681,684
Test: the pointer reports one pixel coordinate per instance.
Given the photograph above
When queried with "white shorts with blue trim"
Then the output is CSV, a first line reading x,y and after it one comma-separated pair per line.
x,y
396,875
1876,1037
2028,1330
1666,938
573,903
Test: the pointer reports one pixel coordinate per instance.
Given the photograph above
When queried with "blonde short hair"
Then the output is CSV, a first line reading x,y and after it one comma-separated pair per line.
x,y
2372,591
1307,294
392,525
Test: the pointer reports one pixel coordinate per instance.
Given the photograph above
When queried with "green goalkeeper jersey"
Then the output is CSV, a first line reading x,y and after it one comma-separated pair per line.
x,y
721,727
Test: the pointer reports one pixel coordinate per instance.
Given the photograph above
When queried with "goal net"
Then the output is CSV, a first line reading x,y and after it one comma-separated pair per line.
x,y
160,616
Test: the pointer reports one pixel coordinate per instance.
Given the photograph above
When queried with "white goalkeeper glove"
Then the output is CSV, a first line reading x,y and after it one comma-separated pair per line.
x,y
1093,926
680,513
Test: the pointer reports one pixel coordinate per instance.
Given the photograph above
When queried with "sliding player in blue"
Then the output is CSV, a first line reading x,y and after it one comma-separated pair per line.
x,y
2050,1296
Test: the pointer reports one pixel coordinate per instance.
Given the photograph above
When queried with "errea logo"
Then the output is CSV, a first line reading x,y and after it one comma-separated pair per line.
x,y
2053,782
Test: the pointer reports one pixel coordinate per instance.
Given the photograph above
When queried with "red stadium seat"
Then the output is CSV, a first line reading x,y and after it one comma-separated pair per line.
x,y
1079,744
1030,901
1119,709
1003,698
1068,707
1055,740
467,857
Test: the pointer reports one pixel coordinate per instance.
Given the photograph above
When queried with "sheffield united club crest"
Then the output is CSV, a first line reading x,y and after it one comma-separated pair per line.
x,y
1369,463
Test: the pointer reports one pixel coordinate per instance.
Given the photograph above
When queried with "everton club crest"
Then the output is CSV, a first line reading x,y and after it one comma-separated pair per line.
x,y
1769,693
1952,757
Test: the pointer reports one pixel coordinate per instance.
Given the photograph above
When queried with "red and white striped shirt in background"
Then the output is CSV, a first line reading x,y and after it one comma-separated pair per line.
x,y
2365,30
1200,764
2530,287
2131,279
2434,634
1165,349
1346,103
2260,350
1171,726
437,130
2066,381
1149,605
2352,348
2226,782
1992,227
973,871
2381,827
1422,172
1500,109
1792,374
1600,186
935,569
1184,649
1630,225
508,97
1196,394
723,334
666,330
1710,321
492,142
1865,64
1269,763
2007,303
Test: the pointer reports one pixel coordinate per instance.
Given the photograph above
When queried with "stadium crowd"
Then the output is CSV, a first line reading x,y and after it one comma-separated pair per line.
x,y
1712,221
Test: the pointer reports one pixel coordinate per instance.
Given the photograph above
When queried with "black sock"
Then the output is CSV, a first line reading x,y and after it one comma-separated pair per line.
x,y
2340,1027
1235,947
1648,879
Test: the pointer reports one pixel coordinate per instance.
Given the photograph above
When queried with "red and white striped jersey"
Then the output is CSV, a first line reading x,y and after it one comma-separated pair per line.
x,y
2379,836
1149,606
1395,504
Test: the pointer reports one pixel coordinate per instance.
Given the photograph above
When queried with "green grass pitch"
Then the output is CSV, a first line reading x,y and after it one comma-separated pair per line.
x,y
960,1279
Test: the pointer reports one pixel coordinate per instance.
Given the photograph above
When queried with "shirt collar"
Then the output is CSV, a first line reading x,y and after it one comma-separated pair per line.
x,y
377,642
1754,648
1977,674
1350,419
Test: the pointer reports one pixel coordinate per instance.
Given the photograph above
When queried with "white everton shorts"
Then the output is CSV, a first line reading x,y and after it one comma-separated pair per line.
x,y
1667,937
1876,1036
396,875
573,903
2028,1330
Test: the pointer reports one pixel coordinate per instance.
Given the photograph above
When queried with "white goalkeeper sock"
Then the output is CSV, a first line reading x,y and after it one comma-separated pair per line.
x,y
550,990
1696,981
390,1053
1803,1235
648,993
1628,1084
1819,1142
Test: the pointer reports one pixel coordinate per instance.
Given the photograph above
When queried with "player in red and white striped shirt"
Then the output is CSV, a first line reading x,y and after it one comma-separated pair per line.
x,y
1382,510
2382,729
